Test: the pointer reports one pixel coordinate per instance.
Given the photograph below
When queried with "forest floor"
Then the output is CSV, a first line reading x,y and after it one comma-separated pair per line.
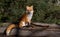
x,y
37,30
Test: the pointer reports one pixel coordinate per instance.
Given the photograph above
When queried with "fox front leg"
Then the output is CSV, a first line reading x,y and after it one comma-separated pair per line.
x,y
28,24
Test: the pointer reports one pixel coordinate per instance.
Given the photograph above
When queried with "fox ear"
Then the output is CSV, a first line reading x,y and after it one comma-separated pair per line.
x,y
28,7
32,6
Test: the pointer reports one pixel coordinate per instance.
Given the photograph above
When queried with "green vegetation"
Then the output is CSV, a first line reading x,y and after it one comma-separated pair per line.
x,y
46,11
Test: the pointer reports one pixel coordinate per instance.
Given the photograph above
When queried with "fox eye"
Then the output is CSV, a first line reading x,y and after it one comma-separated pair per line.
x,y
28,12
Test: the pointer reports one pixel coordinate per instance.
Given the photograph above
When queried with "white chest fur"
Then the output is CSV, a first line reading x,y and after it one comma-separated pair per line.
x,y
30,15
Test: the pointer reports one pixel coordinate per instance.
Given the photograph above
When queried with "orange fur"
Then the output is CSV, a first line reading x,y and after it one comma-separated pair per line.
x,y
26,18
9,28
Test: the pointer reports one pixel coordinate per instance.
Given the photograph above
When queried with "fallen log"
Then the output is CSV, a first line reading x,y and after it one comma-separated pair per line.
x,y
45,24
37,29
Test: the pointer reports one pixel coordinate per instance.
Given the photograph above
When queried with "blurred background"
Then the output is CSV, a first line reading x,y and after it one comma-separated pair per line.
x,y
45,11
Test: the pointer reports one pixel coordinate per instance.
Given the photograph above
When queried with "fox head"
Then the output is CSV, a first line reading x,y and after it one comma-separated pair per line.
x,y
29,8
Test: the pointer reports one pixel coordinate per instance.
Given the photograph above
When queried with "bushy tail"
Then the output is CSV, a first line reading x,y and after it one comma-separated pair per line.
x,y
8,29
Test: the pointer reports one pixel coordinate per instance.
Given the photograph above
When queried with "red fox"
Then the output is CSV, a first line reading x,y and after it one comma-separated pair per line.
x,y
24,20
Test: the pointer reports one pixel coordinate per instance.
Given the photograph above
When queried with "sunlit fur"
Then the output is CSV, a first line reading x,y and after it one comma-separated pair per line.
x,y
24,20
9,28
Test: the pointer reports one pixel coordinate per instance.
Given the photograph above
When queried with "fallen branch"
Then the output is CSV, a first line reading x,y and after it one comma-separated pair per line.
x,y
44,24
